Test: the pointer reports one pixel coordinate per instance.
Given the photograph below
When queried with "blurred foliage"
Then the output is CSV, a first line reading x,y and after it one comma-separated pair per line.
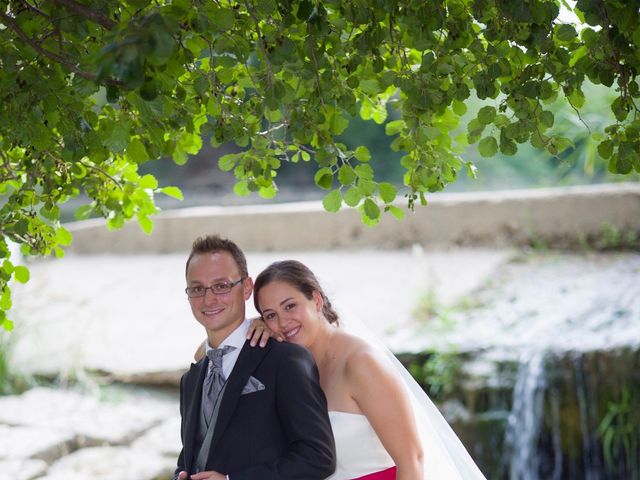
x,y
438,372
619,431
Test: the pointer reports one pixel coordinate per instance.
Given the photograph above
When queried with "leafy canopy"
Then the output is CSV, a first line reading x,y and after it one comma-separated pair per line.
x,y
91,89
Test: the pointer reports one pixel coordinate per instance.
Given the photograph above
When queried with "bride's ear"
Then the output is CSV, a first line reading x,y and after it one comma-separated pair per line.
x,y
318,300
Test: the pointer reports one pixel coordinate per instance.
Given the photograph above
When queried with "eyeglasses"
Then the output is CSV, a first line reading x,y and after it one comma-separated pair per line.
x,y
217,289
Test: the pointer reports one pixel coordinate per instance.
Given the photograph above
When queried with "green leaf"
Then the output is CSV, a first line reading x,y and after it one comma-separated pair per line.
x,y
83,212
352,196
179,156
7,325
364,171
63,236
488,147
636,36
605,149
332,201
472,170
346,174
577,98
362,154
371,209
396,212
145,224
149,181
174,192
459,108
8,267
268,192
546,119
324,178
5,299
241,188
566,32
370,86
223,19
394,127
486,115
21,274
227,162
508,146
366,187
136,151
149,90
116,136
387,191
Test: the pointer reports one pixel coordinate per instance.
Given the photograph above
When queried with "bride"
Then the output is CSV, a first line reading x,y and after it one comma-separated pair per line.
x,y
385,427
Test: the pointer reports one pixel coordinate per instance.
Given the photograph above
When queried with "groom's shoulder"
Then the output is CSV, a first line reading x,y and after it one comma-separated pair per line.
x,y
289,350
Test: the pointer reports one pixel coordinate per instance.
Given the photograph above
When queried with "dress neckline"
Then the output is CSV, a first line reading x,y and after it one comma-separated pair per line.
x,y
335,412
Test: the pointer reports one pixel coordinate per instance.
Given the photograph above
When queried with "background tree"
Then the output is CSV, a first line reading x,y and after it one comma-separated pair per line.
x,y
91,89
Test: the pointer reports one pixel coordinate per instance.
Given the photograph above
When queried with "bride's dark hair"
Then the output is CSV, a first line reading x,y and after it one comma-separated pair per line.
x,y
298,276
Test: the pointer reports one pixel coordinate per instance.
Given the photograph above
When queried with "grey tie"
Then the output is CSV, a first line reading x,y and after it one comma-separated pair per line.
x,y
214,381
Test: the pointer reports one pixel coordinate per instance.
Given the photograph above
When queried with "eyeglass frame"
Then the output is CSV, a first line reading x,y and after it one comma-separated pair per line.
x,y
204,291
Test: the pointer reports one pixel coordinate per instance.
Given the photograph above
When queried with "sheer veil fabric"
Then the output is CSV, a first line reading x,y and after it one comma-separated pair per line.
x,y
445,458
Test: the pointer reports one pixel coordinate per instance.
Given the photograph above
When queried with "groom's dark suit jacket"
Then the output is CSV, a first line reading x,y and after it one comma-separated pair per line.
x,y
281,432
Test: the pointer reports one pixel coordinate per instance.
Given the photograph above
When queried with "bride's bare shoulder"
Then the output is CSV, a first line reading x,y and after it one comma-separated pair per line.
x,y
361,358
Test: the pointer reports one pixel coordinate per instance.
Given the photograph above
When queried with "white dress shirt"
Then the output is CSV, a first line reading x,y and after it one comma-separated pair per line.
x,y
235,339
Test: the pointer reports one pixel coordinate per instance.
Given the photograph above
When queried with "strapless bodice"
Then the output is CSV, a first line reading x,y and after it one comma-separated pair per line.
x,y
359,451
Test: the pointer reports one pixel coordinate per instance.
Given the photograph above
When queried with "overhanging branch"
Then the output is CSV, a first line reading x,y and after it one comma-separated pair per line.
x,y
87,13
10,22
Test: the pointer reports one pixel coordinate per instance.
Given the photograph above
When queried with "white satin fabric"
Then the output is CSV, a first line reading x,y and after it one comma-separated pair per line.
x,y
359,451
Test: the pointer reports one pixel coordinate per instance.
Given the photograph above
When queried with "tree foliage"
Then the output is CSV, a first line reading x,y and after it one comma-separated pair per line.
x,y
90,89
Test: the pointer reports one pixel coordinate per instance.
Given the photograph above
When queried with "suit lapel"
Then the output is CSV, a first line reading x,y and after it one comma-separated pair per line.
x,y
248,360
193,412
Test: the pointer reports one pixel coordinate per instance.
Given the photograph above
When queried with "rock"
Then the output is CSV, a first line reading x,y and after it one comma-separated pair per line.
x,y
93,421
112,463
21,468
164,439
35,443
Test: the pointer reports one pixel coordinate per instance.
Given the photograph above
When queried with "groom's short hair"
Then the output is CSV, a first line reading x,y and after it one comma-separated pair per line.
x,y
214,244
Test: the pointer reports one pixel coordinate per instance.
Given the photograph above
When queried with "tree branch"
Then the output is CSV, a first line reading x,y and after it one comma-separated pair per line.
x,y
98,169
52,55
35,9
87,13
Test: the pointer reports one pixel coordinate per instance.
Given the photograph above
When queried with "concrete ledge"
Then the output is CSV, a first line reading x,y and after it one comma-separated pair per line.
x,y
555,217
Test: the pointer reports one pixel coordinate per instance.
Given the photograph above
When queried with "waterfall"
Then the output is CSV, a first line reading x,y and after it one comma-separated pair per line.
x,y
525,420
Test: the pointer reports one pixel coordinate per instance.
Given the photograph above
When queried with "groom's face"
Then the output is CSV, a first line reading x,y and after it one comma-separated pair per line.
x,y
219,313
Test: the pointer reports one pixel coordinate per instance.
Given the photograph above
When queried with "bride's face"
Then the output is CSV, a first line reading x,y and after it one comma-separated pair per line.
x,y
286,310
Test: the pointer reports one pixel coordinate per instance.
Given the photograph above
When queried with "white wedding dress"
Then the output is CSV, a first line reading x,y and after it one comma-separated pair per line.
x,y
359,451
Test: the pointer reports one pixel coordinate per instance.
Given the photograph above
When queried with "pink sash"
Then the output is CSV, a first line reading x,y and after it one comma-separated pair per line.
x,y
388,474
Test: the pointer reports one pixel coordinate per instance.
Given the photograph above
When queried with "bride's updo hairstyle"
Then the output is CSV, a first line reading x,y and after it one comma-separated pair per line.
x,y
299,277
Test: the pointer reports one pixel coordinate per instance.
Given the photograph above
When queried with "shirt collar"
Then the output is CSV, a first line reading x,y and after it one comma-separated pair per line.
x,y
235,339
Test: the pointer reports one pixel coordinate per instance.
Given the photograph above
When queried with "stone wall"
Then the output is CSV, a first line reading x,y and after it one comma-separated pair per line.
x,y
554,217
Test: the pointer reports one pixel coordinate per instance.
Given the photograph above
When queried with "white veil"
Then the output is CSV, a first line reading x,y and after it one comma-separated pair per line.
x,y
445,458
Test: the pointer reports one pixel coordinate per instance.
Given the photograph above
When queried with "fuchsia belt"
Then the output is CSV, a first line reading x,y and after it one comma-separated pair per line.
x,y
388,474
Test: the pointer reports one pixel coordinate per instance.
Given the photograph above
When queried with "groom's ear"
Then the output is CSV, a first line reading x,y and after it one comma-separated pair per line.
x,y
247,286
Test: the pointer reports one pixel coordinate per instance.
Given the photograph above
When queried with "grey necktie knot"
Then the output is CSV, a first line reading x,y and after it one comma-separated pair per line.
x,y
215,358
214,381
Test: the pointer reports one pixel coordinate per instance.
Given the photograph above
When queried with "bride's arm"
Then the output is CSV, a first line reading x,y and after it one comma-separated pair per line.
x,y
382,398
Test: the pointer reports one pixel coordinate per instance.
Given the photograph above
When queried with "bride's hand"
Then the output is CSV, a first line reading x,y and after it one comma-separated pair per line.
x,y
259,333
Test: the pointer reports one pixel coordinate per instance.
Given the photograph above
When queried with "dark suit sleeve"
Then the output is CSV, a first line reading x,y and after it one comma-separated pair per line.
x,y
302,411
180,464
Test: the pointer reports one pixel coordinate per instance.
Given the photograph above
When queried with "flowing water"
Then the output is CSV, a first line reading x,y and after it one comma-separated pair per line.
x,y
550,369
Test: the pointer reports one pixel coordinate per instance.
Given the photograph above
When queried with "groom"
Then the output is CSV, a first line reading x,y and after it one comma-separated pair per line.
x,y
247,413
